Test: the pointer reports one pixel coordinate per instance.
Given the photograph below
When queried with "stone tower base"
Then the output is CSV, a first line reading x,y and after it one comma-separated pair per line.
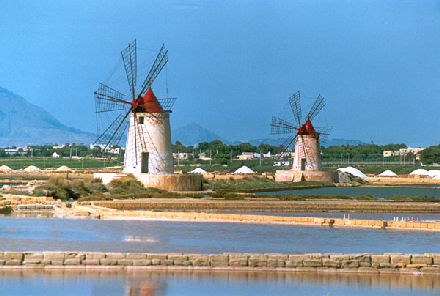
x,y
297,176
172,182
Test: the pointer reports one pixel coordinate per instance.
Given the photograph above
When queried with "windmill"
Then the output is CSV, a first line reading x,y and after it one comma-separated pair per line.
x,y
148,145
301,134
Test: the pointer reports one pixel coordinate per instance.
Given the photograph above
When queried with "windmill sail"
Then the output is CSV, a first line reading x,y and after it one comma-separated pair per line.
x,y
295,105
156,68
302,135
316,107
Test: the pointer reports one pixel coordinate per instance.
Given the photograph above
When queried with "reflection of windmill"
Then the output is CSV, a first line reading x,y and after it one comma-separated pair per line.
x,y
304,135
148,146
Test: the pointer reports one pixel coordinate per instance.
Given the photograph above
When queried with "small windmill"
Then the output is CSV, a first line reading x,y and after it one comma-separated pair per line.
x,y
302,134
148,146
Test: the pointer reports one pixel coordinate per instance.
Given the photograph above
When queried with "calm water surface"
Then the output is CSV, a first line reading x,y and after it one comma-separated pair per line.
x,y
212,283
356,191
51,234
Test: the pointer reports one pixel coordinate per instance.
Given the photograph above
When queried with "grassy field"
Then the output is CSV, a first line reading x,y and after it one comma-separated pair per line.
x,y
53,163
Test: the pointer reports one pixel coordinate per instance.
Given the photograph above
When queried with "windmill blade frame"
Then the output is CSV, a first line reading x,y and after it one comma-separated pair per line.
x,y
295,105
317,106
160,61
167,103
288,142
108,99
281,126
323,130
129,58
113,133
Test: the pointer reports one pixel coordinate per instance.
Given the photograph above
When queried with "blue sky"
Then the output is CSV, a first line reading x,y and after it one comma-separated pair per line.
x,y
233,64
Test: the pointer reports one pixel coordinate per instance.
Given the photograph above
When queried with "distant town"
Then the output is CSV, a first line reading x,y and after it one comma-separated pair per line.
x,y
216,155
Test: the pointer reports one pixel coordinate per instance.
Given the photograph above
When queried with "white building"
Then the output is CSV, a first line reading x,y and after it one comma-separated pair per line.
x,y
148,147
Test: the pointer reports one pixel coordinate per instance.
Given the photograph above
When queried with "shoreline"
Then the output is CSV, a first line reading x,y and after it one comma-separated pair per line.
x,y
368,263
104,213
201,220
261,205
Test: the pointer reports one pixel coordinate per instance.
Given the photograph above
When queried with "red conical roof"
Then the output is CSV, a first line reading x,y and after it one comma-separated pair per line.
x,y
307,129
149,103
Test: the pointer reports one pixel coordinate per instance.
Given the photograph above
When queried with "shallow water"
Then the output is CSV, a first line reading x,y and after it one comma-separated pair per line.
x,y
357,191
51,234
119,283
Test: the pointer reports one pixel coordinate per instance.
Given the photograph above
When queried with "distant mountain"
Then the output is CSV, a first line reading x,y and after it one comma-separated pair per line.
x,y
256,142
22,123
192,134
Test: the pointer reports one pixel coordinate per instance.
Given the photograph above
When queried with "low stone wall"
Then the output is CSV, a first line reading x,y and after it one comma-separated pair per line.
x,y
311,175
189,204
375,263
108,213
172,182
402,179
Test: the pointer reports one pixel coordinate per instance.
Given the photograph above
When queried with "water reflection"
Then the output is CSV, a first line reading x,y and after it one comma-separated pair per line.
x,y
149,283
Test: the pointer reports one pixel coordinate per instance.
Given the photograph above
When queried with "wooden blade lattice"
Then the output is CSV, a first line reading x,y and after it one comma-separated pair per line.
x,y
159,63
167,103
295,105
108,99
289,143
129,57
316,107
112,135
280,126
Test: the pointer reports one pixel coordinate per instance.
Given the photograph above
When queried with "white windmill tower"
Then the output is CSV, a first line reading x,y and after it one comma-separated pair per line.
x,y
148,153
307,158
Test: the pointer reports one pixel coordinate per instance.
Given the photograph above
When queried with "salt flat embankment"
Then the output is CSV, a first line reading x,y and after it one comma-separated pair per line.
x,y
108,213
358,263
260,205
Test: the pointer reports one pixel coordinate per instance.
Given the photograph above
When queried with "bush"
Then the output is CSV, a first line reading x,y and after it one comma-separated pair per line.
x,y
365,197
6,210
399,197
129,187
64,189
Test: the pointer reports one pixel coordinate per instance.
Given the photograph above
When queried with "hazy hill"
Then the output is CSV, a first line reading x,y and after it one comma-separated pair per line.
x,y
192,134
22,123
340,142
280,141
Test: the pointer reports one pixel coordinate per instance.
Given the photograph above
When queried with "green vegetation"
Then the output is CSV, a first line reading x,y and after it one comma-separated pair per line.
x,y
403,198
45,163
430,155
223,157
64,189
129,188
255,184
93,189
361,153
67,151
266,165
6,210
